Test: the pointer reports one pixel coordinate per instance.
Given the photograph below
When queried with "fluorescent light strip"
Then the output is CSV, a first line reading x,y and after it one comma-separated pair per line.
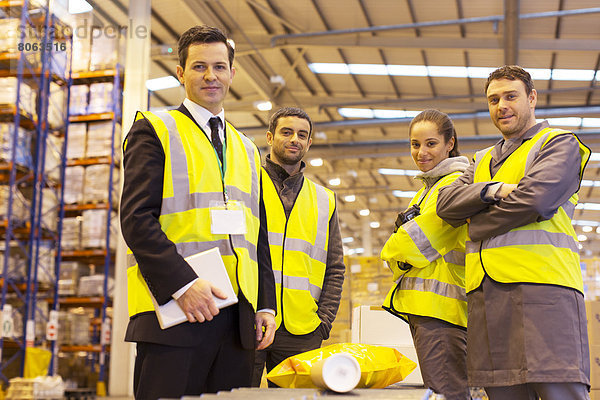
x,y
446,71
595,157
585,223
573,121
376,113
407,194
588,206
401,172
166,82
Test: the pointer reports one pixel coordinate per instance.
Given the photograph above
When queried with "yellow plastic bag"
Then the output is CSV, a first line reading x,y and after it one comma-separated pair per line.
x,y
36,362
380,366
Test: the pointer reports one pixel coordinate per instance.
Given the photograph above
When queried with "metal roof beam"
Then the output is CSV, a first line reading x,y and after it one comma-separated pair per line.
x,y
511,32
417,25
403,42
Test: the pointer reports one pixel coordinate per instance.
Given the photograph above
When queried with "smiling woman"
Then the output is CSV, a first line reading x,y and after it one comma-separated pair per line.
x,y
426,256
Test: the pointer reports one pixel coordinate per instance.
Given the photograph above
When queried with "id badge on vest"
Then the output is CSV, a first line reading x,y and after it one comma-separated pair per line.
x,y
227,219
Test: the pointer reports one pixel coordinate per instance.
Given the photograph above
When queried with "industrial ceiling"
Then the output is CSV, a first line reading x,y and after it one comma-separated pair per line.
x,y
278,41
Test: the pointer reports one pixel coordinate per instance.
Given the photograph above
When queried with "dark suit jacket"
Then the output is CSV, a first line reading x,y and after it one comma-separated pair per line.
x,y
163,268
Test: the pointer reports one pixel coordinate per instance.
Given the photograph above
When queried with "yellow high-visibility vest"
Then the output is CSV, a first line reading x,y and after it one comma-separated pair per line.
x,y
435,285
298,252
192,184
540,252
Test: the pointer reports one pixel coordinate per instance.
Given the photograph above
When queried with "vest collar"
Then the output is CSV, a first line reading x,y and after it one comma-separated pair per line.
x,y
498,155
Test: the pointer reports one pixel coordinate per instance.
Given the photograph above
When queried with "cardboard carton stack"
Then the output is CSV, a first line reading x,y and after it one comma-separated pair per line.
x,y
374,325
592,309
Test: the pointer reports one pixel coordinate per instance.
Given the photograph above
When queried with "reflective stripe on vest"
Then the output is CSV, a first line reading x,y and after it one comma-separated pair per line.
x,y
298,247
541,252
192,184
432,285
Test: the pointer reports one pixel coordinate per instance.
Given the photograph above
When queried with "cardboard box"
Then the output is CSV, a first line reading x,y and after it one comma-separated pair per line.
x,y
374,325
595,366
595,394
592,310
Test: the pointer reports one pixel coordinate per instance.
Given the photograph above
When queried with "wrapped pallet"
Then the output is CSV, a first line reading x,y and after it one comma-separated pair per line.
x,y
101,98
77,139
74,179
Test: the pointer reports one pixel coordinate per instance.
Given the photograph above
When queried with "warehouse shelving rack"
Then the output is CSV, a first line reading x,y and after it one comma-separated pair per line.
x,y
35,68
105,257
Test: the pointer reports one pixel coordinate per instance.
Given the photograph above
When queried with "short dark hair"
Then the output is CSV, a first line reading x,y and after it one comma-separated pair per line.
x,y
289,112
512,73
202,34
444,125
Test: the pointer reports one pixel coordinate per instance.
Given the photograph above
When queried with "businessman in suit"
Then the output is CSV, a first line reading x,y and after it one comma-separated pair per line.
x,y
183,170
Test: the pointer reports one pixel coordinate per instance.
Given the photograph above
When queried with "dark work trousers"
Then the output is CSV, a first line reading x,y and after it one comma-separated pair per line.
x,y
442,352
545,391
217,362
285,345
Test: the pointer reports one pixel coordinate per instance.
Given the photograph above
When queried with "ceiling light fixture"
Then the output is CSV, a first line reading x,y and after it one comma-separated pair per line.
x,y
335,181
407,194
165,82
396,171
316,162
364,212
263,105
448,71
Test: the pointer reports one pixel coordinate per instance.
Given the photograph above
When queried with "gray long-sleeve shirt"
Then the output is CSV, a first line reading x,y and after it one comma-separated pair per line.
x,y
288,186
549,183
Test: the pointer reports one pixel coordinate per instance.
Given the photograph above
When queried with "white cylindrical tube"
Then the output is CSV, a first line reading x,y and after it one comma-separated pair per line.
x,y
339,372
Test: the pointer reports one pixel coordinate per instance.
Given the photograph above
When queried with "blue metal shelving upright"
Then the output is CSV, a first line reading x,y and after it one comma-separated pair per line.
x,y
37,38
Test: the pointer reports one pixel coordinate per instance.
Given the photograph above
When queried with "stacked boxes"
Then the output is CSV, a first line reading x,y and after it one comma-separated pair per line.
x,y
49,209
373,325
74,176
99,139
93,285
74,328
366,282
107,48
95,184
77,141
46,258
93,228
592,309
71,233
370,280
20,205
57,105
53,162
17,265
590,269
27,96
81,53
23,155
10,37
70,272
79,99
101,98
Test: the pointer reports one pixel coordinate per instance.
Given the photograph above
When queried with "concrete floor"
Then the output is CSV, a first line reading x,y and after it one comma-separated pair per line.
x,y
394,392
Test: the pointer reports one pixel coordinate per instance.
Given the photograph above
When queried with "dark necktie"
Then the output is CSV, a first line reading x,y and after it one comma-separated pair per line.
x,y
214,123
